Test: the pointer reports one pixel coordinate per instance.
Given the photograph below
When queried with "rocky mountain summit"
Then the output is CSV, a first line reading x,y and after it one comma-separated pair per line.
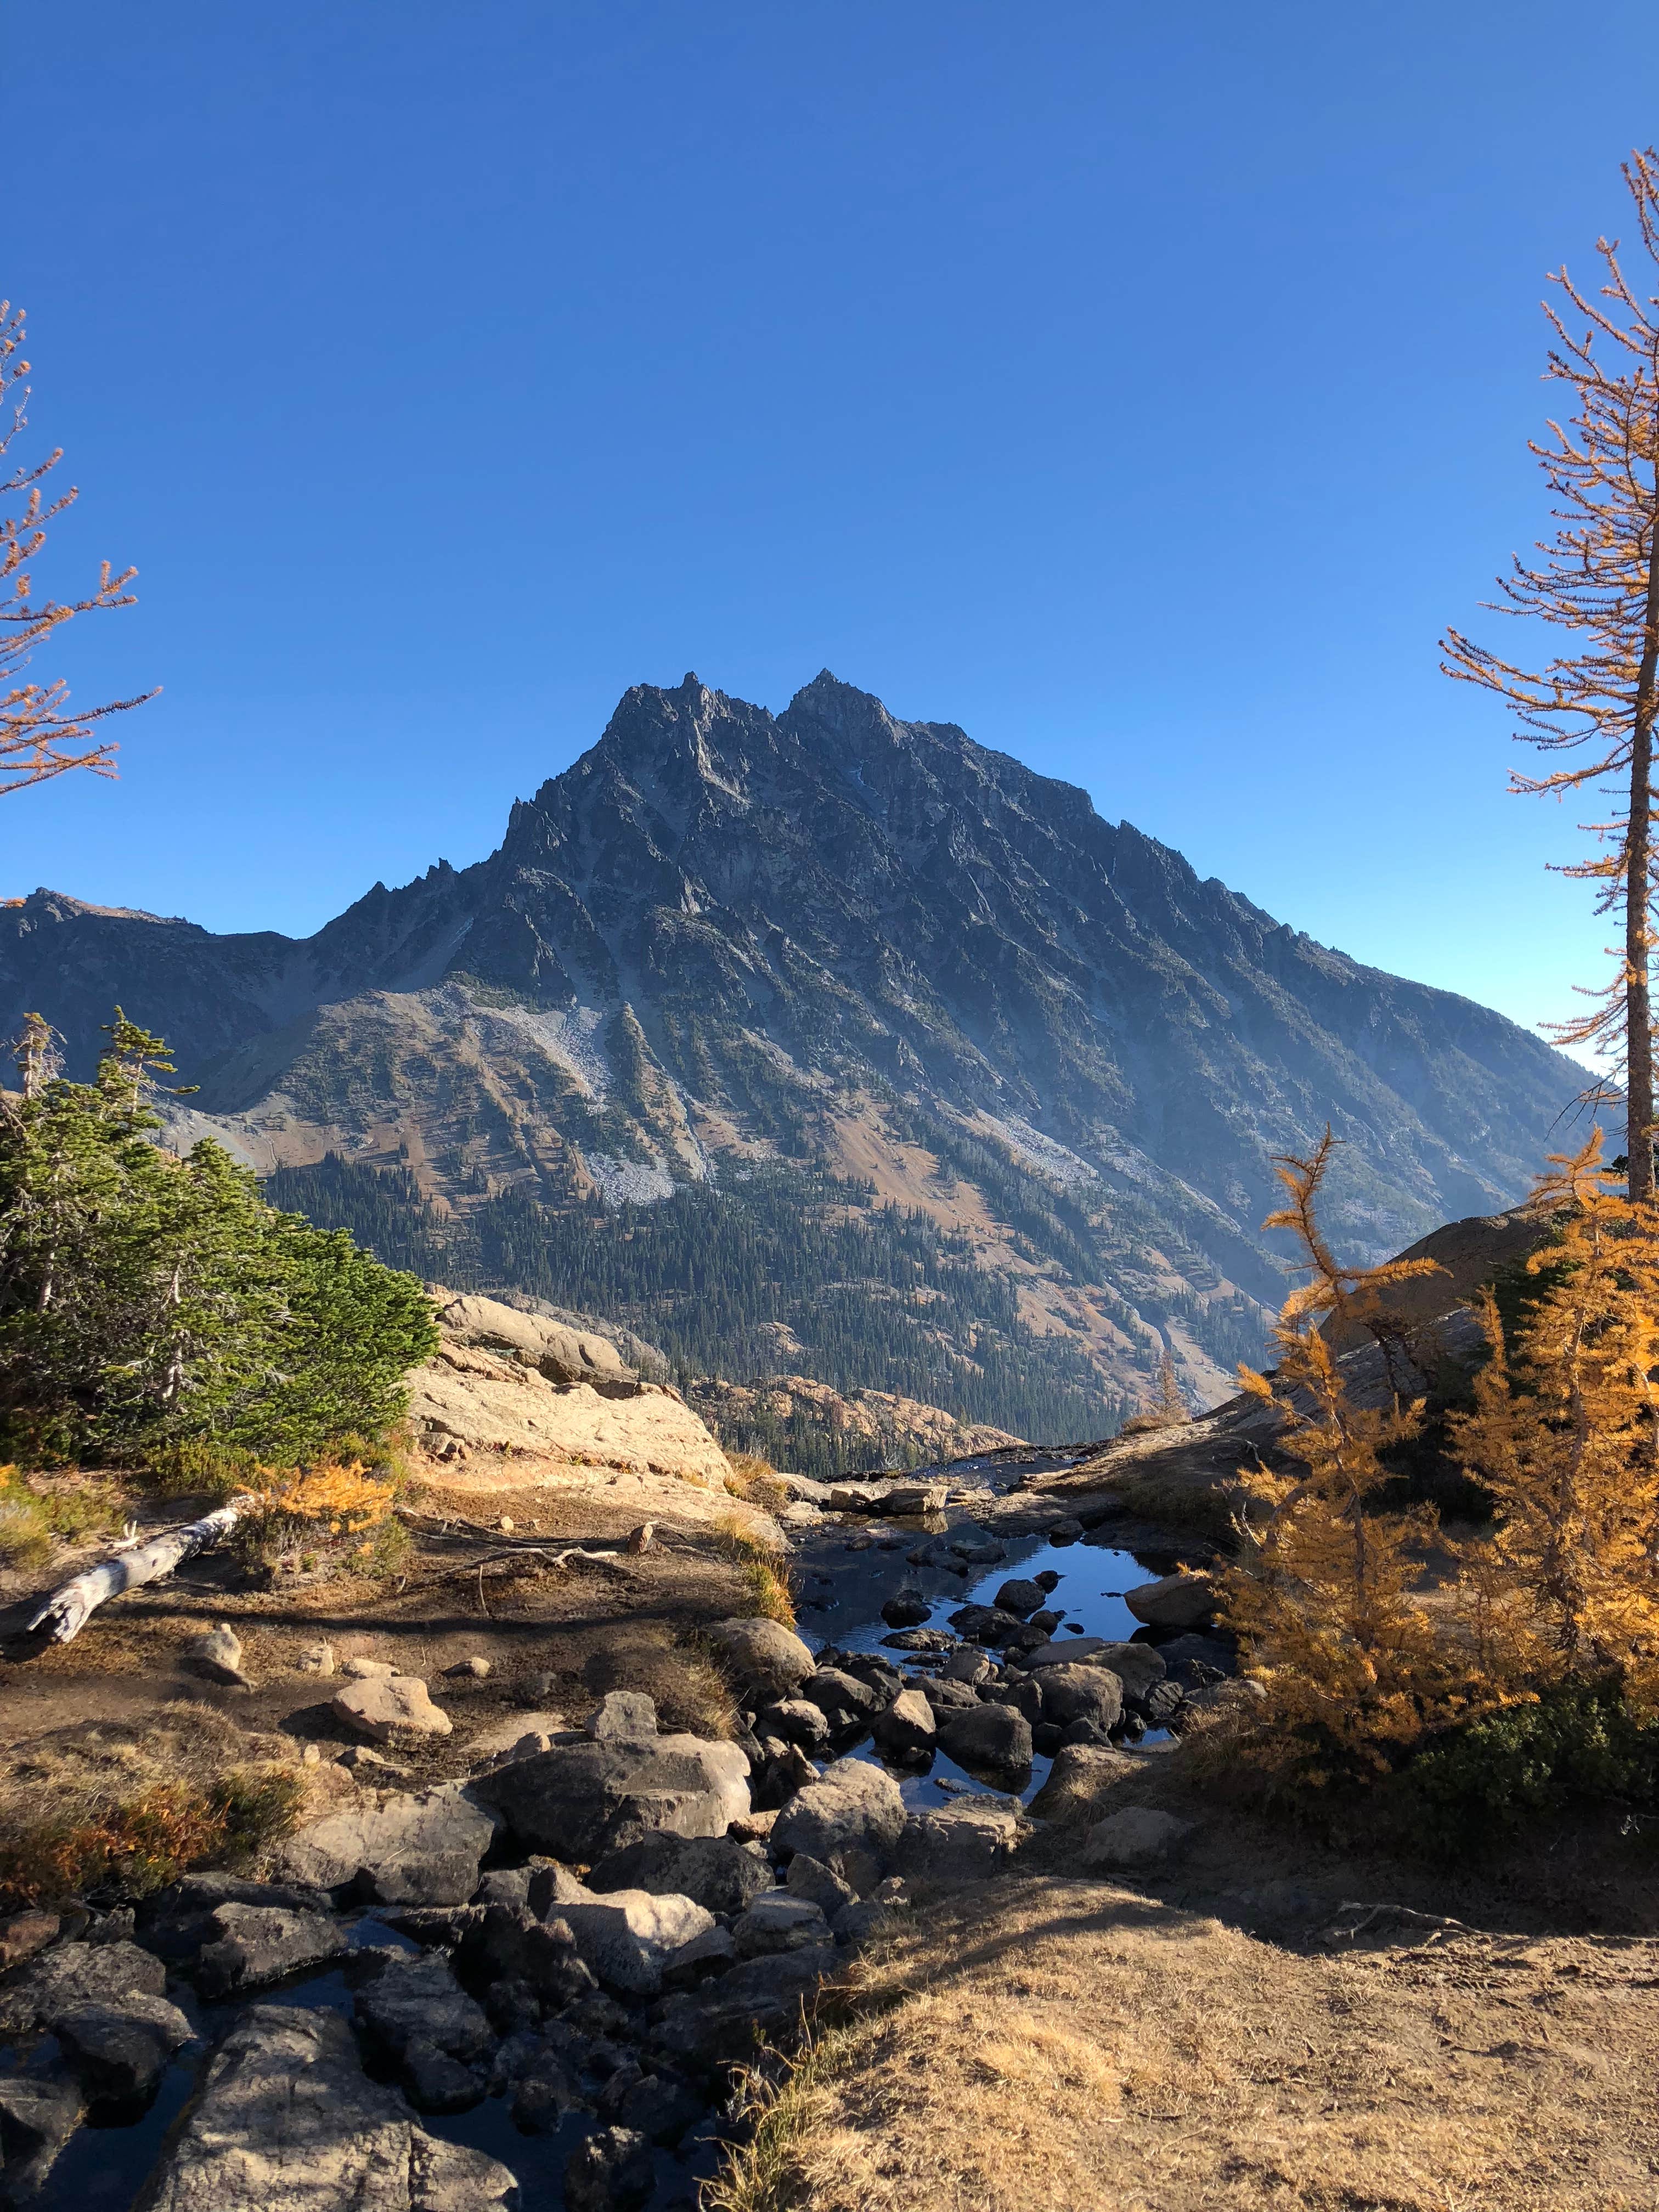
x,y
893,1063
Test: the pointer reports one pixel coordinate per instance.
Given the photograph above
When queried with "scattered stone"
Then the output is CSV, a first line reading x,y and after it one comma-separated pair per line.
x,y
179,1920
921,1639
969,1840
901,1499
852,1807
907,1728
715,1872
504,1886
219,1656
286,2119
474,1669
624,1936
991,1740
763,1652
986,1624
361,1669
1047,1620
818,1884
1066,1530
506,1524
1137,1836
968,1666
419,1848
535,1689
311,1756
316,1659
120,2050
1020,1597
641,1538
1177,1600
577,1801
362,1759
623,1715
391,1709
256,1944
756,1827
1196,1659
778,1921
38,2113
25,1934
609,2172
546,2091
551,1886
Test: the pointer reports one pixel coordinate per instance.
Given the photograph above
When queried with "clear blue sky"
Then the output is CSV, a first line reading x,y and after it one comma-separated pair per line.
x,y
1141,388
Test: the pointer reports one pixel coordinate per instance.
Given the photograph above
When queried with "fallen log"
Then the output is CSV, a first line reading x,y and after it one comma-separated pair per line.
x,y
67,1611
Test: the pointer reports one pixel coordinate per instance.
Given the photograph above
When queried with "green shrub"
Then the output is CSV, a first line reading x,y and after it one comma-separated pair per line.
x,y
1577,1743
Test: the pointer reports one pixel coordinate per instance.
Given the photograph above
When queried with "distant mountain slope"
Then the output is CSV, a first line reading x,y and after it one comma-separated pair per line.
x,y
826,1042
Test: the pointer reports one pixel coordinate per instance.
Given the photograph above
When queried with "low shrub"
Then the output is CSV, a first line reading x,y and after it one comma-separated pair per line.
x,y
33,1512
1576,1743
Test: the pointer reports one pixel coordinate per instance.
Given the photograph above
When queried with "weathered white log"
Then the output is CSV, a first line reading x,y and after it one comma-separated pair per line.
x,y
66,1612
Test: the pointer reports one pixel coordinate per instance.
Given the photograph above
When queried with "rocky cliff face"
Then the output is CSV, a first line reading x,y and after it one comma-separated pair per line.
x,y
826,1042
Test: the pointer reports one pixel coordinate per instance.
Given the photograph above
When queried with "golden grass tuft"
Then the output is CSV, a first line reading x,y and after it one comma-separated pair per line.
x,y
37,1509
755,1480
688,1690
763,1567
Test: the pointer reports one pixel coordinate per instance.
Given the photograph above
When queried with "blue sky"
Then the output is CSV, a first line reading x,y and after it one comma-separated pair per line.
x,y
1143,389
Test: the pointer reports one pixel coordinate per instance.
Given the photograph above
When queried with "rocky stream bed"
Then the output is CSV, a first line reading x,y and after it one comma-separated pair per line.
x,y
532,1987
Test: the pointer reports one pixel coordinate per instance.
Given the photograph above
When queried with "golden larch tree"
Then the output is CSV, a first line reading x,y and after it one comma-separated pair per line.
x,y
39,736
1596,577
1321,1590
1564,1429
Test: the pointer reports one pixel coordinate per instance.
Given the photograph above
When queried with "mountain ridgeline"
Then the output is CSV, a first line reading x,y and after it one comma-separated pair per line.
x,y
827,1043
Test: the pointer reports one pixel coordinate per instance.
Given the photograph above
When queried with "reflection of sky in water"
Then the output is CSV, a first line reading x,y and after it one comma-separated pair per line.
x,y
1090,1595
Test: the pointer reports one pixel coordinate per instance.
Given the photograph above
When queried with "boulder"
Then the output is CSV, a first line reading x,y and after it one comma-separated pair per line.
x,y
76,1974
901,1499
1175,1601
714,1872
24,1934
797,1720
415,2001
906,1608
394,1709
969,1840
506,1943
846,1702
945,1696
661,2105
623,1716
609,2172
986,1624
564,1356
179,1920
761,2000
1197,1659
1137,1836
852,1807
579,1801
624,1936
906,1730
711,1952
1020,1597
968,1666
994,1739
766,1653
257,1944
358,1666
120,2050
286,2120
420,1847
921,1639
38,2113
1073,1693
1080,1776
777,1921
818,1884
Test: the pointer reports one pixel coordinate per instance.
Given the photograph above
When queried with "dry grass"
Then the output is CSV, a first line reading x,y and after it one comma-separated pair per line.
x,y
36,1510
764,1569
757,1481
1075,2046
120,1811
687,1688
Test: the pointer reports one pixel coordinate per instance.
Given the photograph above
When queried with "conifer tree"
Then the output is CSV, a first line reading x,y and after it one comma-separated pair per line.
x,y
1565,1432
1597,578
1322,1588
